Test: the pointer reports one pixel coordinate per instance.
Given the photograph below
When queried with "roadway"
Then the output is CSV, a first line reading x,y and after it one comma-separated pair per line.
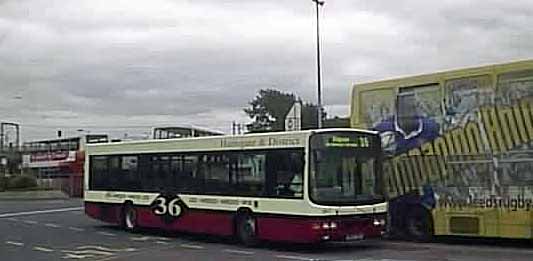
x,y
58,230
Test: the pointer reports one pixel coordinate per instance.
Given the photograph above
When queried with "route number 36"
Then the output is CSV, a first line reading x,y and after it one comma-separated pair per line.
x,y
162,208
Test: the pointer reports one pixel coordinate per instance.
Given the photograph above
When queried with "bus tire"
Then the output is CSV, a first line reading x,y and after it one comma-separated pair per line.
x,y
129,217
419,225
246,229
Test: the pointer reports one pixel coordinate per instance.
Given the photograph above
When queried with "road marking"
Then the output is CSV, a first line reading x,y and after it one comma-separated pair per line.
x,y
73,256
31,222
130,249
28,213
240,252
140,238
162,242
14,243
89,252
76,229
106,234
52,225
43,249
191,246
131,254
366,259
295,257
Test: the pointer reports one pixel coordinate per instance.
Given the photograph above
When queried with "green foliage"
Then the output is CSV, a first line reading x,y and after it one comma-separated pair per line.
x,y
22,181
269,108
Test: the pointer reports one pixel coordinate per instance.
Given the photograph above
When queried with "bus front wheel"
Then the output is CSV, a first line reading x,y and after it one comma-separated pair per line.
x,y
246,229
129,217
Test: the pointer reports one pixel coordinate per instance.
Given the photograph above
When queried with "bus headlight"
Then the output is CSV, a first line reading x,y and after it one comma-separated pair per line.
x,y
329,225
379,222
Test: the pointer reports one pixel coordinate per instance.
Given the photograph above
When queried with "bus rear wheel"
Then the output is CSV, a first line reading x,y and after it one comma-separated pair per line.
x,y
246,229
419,225
129,217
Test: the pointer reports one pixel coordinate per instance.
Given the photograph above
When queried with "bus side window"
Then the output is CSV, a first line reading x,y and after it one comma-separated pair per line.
x,y
216,171
285,173
115,177
145,172
247,173
188,176
176,168
99,172
130,173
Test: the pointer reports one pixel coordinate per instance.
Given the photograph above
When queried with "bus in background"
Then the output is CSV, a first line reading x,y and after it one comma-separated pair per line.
x,y
460,150
173,132
304,186
59,162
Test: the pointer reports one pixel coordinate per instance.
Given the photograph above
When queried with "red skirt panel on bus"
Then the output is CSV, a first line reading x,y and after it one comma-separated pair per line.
x,y
311,230
196,221
279,228
208,222
354,228
270,227
104,212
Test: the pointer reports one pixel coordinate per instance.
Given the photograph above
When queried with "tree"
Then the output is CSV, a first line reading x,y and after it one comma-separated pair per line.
x,y
269,108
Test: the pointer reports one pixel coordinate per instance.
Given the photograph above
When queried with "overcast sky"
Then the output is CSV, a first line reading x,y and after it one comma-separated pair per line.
x,y
123,66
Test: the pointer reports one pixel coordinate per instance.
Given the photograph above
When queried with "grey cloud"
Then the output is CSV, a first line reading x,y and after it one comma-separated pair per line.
x,y
118,63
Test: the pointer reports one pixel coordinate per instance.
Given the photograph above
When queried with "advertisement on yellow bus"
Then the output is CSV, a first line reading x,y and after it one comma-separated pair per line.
x,y
459,148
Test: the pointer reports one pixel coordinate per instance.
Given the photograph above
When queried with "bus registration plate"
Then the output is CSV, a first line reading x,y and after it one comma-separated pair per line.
x,y
354,237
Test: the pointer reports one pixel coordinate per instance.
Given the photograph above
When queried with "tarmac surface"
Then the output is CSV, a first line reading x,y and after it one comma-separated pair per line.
x,y
59,230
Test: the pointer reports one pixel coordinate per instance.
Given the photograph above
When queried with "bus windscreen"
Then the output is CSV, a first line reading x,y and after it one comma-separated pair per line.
x,y
344,168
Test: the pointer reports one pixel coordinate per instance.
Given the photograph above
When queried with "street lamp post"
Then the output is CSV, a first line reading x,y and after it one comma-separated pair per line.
x,y
319,78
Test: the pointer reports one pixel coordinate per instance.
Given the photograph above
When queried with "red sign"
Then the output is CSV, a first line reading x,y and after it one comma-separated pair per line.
x,y
49,156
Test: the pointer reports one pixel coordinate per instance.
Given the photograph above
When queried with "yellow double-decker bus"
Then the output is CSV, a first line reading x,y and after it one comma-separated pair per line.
x,y
459,148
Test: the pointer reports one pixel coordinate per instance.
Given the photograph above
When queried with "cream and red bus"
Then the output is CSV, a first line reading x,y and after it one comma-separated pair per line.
x,y
306,186
460,149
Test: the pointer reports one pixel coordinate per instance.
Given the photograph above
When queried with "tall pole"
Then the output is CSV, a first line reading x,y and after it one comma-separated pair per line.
x,y
319,76
1,137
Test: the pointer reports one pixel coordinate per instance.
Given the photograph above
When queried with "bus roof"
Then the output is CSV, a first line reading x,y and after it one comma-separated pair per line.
x,y
454,73
53,140
270,140
187,127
